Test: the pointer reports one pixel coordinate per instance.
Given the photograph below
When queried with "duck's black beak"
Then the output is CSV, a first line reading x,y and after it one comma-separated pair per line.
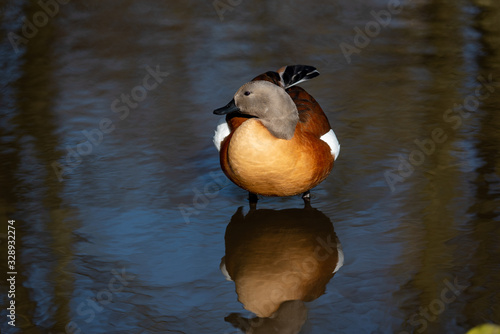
x,y
230,107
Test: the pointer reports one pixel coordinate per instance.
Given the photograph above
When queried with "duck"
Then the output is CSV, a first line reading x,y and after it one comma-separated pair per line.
x,y
275,139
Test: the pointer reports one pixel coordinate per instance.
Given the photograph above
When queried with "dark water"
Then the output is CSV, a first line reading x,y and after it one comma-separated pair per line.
x,y
122,215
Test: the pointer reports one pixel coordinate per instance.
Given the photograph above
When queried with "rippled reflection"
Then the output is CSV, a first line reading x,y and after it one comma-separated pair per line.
x,y
279,259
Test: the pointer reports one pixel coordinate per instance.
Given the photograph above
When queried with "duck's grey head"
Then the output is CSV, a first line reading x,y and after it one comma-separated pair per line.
x,y
269,103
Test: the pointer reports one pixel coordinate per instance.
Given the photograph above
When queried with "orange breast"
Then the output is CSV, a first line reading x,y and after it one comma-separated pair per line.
x,y
263,164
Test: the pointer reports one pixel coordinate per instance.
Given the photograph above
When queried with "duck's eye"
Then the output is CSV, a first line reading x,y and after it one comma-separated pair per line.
x,y
247,93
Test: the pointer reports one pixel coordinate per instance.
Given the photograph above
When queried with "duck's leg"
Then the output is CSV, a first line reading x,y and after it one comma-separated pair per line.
x,y
306,196
252,197
252,200
307,205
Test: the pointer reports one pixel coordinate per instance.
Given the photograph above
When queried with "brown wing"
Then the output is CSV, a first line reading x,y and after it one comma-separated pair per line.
x,y
270,76
312,119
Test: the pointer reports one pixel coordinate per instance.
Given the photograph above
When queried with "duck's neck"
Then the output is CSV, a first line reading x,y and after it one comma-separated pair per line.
x,y
282,128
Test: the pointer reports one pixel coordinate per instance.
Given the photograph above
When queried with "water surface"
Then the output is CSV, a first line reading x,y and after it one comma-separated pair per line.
x,y
122,213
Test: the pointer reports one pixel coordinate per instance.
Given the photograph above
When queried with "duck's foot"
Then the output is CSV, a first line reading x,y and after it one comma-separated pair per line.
x,y
252,200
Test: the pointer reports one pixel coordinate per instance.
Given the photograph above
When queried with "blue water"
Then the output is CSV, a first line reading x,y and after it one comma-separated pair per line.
x,y
121,208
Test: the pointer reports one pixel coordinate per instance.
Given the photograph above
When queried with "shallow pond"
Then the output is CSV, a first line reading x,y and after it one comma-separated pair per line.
x,y
124,220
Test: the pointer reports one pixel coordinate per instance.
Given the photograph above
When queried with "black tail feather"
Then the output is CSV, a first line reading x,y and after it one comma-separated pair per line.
x,y
294,74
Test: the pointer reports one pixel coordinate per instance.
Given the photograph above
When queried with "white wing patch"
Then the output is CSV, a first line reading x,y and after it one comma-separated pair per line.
x,y
224,270
340,262
332,141
221,132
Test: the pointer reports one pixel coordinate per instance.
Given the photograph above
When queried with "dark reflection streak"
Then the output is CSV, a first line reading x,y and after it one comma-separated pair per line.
x,y
444,62
36,126
485,206
15,192
10,197
10,161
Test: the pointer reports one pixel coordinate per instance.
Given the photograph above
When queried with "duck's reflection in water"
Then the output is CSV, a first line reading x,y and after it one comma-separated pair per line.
x,y
279,259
